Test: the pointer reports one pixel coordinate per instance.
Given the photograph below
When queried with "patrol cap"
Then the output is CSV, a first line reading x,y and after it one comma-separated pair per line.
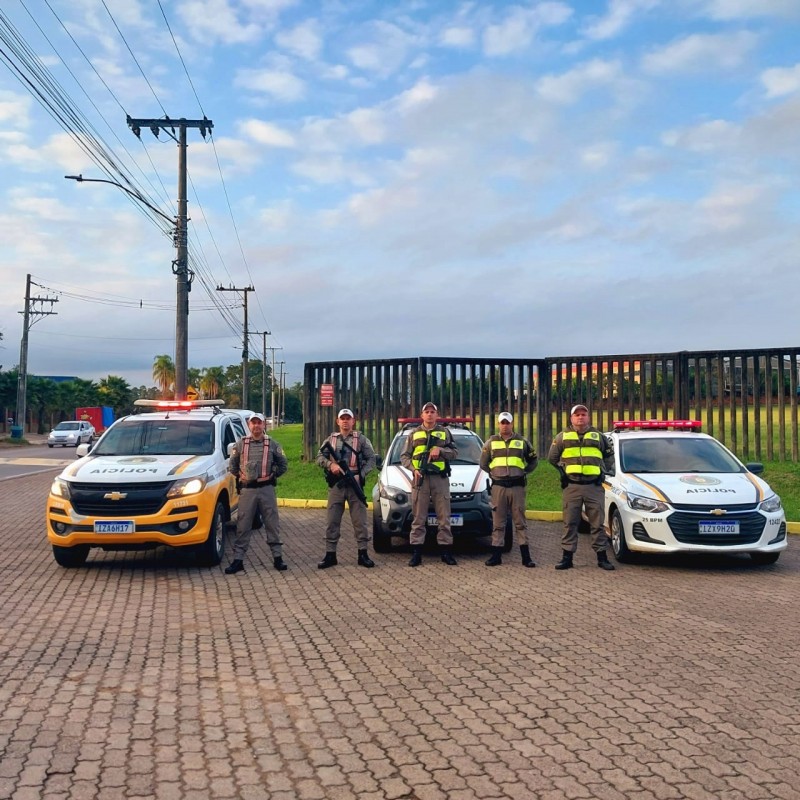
x,y
345,412
256,416
430,405
578,407
505,417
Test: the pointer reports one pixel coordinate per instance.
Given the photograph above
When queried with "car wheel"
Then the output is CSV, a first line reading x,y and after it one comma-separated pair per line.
x,y
380,541
71,556
50,445
508,540
211,551
764,558
618,543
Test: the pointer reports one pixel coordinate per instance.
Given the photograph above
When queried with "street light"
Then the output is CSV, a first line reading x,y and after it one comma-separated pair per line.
x,y
182,276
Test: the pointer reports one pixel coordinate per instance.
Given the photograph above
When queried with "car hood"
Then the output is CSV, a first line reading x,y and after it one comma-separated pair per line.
x,y
697,488
136,469
464,478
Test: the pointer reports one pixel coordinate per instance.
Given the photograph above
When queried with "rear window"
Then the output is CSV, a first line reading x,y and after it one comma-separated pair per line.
x,y
166,437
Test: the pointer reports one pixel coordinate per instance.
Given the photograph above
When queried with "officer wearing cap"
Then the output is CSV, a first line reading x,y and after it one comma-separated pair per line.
x,y
583,456
427,453
257,462
352,449
508,458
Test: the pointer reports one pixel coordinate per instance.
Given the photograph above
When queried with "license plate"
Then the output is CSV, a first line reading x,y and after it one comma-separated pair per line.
x,y
117,526
455,520
718,526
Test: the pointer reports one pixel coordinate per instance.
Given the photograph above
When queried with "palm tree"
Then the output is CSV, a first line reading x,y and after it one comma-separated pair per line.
x,y
164,373
211,381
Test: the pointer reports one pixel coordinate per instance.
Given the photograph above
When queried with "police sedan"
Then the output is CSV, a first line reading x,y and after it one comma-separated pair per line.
x,y
677,489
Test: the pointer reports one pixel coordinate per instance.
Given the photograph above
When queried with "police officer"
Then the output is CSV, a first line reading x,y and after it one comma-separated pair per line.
x,y
508,458
353,448
257,461
427,452
582,455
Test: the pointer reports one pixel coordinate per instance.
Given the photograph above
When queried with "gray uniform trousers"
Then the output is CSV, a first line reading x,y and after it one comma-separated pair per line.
x,y
358,516
435,489
262,499
507,499
573,499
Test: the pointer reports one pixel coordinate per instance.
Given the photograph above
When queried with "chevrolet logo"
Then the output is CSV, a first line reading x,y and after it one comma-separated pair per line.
x,y
718,512
123,495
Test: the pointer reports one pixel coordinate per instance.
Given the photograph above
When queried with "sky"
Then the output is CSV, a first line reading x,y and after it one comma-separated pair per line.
x,y
484,179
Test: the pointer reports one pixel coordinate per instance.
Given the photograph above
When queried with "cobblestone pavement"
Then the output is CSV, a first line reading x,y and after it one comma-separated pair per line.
x,y
143,676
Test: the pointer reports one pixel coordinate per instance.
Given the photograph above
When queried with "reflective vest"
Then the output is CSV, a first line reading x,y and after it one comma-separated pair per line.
x,y
583,455
508,456
423,440
262,472
355,450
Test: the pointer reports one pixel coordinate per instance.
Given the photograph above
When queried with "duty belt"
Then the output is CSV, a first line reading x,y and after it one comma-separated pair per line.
x,y
257,484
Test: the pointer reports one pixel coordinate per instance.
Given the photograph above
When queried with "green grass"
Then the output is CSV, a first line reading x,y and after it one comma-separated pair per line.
x,y
305,481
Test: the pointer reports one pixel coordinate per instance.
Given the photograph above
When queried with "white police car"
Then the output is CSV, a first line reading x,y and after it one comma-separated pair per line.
x,y
470,506
677,489
157,478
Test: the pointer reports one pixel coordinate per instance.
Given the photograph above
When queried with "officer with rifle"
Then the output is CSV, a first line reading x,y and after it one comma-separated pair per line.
x,y
347,458
428,451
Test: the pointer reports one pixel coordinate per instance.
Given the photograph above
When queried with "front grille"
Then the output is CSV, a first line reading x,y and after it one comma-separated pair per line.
x,y
685,528
140,498
705,509
461,497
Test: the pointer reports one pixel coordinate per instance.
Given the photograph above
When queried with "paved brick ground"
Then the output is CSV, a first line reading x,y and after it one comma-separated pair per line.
x,y
141,676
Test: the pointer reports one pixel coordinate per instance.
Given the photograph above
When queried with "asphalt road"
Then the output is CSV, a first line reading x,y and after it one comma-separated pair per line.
x,y
144,676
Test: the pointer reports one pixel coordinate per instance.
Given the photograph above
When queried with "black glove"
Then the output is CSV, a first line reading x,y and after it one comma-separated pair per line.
x,y
564,480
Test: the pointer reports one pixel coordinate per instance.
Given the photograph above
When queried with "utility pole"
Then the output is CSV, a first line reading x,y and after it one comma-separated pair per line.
x,y
245,352
263,371
272,380
180,267
281,398
27,323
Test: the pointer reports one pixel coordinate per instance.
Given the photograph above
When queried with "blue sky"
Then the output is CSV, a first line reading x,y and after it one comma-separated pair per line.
x,y
418,178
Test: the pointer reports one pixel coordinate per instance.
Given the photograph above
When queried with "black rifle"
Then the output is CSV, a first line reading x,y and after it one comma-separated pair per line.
x,y
347,475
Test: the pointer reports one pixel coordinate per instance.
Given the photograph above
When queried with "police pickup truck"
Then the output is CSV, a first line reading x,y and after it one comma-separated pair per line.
x,y
154,478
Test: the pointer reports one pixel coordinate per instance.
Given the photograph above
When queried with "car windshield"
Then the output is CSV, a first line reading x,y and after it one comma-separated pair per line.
x,y
469,448
676,454
68,426
163,437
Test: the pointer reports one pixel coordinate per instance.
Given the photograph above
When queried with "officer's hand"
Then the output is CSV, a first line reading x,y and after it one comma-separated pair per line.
x,y
335,468
564,481
434,453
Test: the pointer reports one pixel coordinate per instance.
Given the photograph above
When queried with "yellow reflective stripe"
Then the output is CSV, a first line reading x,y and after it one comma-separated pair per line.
x,y
510,461
582,469
582,452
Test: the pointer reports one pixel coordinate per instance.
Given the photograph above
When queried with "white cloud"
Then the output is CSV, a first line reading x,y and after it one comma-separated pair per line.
x,y
277,83
47,209
15,109
619,15
700,52
368,124
566,88
780,81
266,133
729,207
749,9
707,137
517,30
457,36
303,40
60,149
420,94
384,53
211,21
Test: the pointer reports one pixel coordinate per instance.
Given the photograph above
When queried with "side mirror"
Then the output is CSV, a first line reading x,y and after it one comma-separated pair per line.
x,y
82,450
756,467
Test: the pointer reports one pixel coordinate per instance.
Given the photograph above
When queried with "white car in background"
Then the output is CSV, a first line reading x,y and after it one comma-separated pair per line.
x,y
679,490
71,433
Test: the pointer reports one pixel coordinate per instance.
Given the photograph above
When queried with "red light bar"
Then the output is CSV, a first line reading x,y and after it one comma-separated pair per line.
x,y
443,420
658,424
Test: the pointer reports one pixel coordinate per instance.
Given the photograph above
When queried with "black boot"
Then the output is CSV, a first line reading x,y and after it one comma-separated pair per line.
x,y
447,557
525,552
328,561
416,557
603,562
364,560
496,558
566,560
235,566
279,563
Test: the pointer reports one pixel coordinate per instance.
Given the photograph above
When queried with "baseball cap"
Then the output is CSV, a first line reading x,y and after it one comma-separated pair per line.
x,y
578,407
345,412
431,405
257,416
505,417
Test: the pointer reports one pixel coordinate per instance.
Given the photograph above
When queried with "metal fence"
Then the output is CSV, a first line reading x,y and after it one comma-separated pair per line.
x,y
748,399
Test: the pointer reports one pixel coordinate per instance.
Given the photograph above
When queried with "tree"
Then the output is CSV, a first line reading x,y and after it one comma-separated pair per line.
x,y
212,380
164,373
117,393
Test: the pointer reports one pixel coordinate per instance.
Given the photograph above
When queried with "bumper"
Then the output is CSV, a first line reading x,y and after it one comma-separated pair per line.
x,y
395,519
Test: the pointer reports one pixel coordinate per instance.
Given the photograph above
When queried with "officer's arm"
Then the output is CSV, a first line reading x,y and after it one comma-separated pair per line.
x,y
484,462
449,451
233,463
608,457
322,460
532,460
280,464
367,456
405,456
556,448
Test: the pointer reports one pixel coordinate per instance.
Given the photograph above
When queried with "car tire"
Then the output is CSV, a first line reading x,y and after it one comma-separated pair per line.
x,y
764,559
210,553
381,543
618,543
71,557
50,445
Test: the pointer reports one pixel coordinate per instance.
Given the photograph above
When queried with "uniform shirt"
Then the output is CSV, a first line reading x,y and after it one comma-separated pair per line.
x,y
606,448
447,450
277,463
364,449
525,452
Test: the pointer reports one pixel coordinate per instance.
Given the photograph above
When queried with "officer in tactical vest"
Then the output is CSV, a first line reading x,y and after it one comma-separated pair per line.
x,y
582,455
508,458
347,458
257,462
427,453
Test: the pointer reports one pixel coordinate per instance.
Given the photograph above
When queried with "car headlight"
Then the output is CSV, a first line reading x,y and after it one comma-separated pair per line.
x,y
771,504
60,488
187,486
391,493
646,504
